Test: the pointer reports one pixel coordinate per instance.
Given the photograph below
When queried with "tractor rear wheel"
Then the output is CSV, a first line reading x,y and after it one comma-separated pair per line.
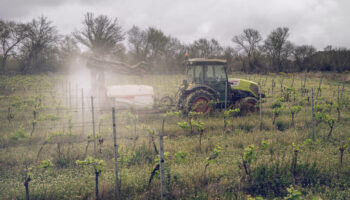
x,y
248,104
199,101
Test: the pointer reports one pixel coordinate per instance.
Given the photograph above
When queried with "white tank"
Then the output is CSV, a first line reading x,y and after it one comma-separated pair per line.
x,y
137,96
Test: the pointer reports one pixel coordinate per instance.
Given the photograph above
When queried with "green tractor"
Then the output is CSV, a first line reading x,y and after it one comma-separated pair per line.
x,y
207,87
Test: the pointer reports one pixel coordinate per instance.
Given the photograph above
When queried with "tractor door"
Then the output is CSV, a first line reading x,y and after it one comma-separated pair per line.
x,y
217,79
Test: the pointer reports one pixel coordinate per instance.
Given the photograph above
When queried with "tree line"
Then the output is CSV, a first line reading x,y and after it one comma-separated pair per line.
x,y
37,46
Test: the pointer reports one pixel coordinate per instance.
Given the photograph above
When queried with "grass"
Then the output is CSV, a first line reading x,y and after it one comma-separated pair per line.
x,y
225,177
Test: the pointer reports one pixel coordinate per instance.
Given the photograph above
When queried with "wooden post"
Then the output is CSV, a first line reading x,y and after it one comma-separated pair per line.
x,y
312,113
319,88
82,111
117,191
161,158
93,124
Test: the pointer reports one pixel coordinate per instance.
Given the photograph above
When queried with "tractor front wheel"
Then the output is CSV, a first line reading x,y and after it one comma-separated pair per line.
x,y
248,104
199,101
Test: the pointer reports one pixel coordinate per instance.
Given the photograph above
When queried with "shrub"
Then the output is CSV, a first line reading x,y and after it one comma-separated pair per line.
x,y
282,125
19,134
269,180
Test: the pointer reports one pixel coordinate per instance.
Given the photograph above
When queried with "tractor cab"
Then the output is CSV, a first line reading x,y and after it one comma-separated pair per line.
x,y
208,73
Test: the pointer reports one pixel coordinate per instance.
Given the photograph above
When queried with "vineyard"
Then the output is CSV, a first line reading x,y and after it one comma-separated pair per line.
x,y
55,145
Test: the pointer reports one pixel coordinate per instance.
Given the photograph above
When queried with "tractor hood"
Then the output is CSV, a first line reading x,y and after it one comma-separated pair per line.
x,y
244,85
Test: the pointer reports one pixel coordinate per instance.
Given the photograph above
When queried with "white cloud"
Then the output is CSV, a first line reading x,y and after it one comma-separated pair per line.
x,y
316,22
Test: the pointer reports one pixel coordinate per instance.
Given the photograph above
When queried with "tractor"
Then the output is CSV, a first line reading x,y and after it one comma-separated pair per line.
x,y
208,87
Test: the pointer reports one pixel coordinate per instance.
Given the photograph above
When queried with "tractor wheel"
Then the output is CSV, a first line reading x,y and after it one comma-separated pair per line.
x,y
247,104
166,103
199,101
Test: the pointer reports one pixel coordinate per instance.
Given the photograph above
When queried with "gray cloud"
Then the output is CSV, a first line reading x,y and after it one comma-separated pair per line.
x,y
316,22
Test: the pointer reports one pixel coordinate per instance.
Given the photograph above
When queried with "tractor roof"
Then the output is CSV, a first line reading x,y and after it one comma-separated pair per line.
x,y
193,61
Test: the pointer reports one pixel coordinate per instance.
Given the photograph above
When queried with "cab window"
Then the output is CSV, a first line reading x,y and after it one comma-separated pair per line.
x,y
210,73
220,73
190,73
198,74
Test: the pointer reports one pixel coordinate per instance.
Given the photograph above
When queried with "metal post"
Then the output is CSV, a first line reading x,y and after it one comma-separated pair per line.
x,y
161,158
70,97
117,192
93,124
342,91
292,81
282,85
301,87
260,108
82,110
338,99
225,95
312,113
76,96
66,93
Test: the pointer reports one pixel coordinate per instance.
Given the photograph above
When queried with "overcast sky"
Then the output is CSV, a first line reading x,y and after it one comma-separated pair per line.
x,y
315,22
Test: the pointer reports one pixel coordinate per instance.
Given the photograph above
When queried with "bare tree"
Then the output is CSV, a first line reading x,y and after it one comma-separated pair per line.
x,y
68,50
138,44
206,48
156,42
175,55
40,45
230,54
156,48
11,34
100,34
301,53
249,41
277,47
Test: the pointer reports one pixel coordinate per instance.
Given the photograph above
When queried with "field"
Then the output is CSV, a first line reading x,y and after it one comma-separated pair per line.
x,y
46,126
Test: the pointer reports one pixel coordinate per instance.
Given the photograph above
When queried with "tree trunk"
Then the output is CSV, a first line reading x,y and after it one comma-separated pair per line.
x,y
26,185
200,141
96,180
330,131
3,63
341,149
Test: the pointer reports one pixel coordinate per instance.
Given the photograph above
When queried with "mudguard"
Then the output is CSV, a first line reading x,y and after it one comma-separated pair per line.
x,y
244,86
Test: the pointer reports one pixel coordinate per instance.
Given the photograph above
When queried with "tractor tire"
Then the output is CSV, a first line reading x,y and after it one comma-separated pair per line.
x,y
199,101
247,104
166,103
